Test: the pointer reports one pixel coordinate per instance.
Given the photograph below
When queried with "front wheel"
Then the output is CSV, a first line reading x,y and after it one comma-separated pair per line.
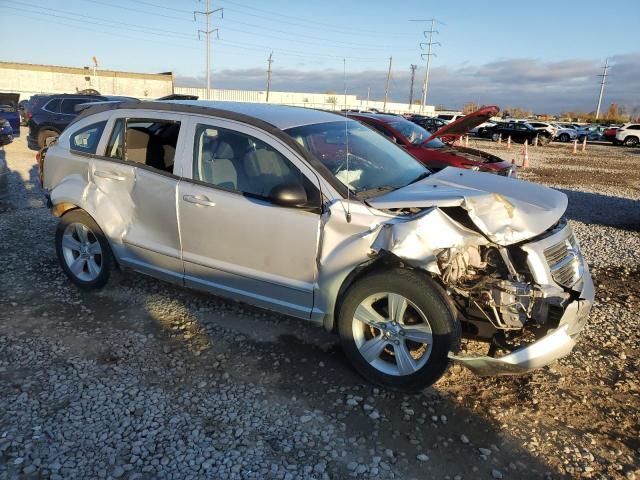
x,y
631,141
83,250
397,329
495,137
564,137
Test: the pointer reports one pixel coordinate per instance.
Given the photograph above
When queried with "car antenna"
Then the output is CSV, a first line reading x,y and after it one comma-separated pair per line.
x,y
346,136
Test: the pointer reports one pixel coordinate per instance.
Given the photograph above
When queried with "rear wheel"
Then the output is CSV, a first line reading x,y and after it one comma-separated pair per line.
x,y
564,137
397,329
495,137
631,141
83,250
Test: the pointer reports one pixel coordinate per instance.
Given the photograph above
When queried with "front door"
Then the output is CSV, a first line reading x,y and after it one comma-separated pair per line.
x,y
235,241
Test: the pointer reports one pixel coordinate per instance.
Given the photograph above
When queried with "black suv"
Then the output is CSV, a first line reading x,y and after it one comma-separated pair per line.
x,y
50,114
519,133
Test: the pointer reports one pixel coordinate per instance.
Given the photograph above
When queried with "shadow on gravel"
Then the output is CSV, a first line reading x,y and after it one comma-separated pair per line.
x,y
300,364
617,212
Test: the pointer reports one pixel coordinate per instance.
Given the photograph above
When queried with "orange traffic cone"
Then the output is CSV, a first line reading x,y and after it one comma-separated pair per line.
x,y
525,154
499,139
535,141
466,140
509,143
584,143
575,146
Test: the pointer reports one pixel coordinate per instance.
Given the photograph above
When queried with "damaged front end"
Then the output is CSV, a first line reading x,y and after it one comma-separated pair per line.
x,y
509,262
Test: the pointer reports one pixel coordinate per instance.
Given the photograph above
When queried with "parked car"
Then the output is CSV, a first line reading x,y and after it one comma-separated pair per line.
x,y
544,127
4,178
428,123
22,104
449,117
609,133
519,133
9,111
314,215
565,134
50,114
628,135
6,132
429,148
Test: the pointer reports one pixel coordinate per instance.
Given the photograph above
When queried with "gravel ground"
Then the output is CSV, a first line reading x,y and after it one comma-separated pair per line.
x,y
147,380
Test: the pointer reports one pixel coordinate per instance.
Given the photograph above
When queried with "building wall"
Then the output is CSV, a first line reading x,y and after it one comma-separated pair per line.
x,y
27,79
310,100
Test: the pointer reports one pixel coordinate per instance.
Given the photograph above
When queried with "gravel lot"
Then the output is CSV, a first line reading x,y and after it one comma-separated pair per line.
x,y
146,380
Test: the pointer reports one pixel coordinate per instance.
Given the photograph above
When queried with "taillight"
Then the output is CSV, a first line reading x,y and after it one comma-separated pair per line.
x,y
29,115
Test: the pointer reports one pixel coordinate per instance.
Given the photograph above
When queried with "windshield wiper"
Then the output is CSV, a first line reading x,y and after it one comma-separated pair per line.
x,y
372,192
422,176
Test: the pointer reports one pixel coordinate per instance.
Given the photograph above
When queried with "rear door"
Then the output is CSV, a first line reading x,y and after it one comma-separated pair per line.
x,y
137,172
235,240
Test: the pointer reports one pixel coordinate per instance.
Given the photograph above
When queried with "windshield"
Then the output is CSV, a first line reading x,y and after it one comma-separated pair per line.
x,y
415,134
375,164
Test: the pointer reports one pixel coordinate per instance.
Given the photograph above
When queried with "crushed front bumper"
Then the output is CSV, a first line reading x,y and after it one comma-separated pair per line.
x,y
556,344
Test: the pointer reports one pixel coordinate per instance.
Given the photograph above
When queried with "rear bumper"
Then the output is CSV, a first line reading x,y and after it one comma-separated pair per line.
x,y
556,344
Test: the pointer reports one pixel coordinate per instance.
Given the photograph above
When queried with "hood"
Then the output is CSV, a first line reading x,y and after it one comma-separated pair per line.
x,y
464,124
505,210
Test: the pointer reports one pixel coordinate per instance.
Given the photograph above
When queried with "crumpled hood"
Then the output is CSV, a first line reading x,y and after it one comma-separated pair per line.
x,y
506,210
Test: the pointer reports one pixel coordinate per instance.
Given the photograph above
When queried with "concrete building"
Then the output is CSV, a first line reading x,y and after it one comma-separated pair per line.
x,y
28,79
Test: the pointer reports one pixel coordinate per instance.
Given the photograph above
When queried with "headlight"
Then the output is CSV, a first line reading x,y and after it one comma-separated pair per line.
x,y
6,124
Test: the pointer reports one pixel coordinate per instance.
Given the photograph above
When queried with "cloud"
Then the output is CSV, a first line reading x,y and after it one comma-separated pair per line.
x,y
529,83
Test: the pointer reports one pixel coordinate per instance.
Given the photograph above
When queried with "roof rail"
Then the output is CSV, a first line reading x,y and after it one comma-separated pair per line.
x,y
81,107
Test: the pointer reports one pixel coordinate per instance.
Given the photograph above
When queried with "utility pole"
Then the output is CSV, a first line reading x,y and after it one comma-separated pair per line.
x,y
602,82
413,76
386,86
269,75
207,13
429,35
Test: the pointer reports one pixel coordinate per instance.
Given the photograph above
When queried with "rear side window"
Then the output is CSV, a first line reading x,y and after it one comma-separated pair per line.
x,y
86,139
68,106
144,141
53,105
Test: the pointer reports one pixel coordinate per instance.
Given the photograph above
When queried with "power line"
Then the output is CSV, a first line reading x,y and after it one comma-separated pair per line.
x,y
604,76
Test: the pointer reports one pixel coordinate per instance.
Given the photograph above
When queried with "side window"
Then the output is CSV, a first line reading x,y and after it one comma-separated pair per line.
x,y
634,127
53,106
68,106
239,162
146,141
86,139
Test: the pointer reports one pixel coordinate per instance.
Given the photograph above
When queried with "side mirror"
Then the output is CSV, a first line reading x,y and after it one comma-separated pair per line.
x,y
288,195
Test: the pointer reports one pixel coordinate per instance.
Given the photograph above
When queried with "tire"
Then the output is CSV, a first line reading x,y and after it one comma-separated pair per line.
x,y
564,137
43,135
495,137
544,140
631,141
428,315
83,250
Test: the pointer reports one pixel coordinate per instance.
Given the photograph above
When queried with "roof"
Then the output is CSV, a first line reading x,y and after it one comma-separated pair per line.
x,y
383,117
280,116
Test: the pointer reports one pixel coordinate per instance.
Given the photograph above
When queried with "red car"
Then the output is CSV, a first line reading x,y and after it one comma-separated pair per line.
x,y
610,134
436,150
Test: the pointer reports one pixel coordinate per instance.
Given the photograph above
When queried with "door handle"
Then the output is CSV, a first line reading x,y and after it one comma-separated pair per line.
x,y
204,201
109,175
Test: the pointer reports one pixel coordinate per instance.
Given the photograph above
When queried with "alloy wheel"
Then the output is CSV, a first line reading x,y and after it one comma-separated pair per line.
x,y
82,252
392,334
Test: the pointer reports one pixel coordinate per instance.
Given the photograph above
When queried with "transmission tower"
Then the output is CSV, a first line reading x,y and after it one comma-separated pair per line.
x,y
429,46
207,13
270,61
413,76
602,82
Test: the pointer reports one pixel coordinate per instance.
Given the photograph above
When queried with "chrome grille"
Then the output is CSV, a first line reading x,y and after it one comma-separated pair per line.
x,y
564,261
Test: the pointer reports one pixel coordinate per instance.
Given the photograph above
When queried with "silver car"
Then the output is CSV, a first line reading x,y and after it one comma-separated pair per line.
x,y
314,215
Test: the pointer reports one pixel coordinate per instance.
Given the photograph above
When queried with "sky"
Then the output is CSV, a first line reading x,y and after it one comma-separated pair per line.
x,y
544,55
